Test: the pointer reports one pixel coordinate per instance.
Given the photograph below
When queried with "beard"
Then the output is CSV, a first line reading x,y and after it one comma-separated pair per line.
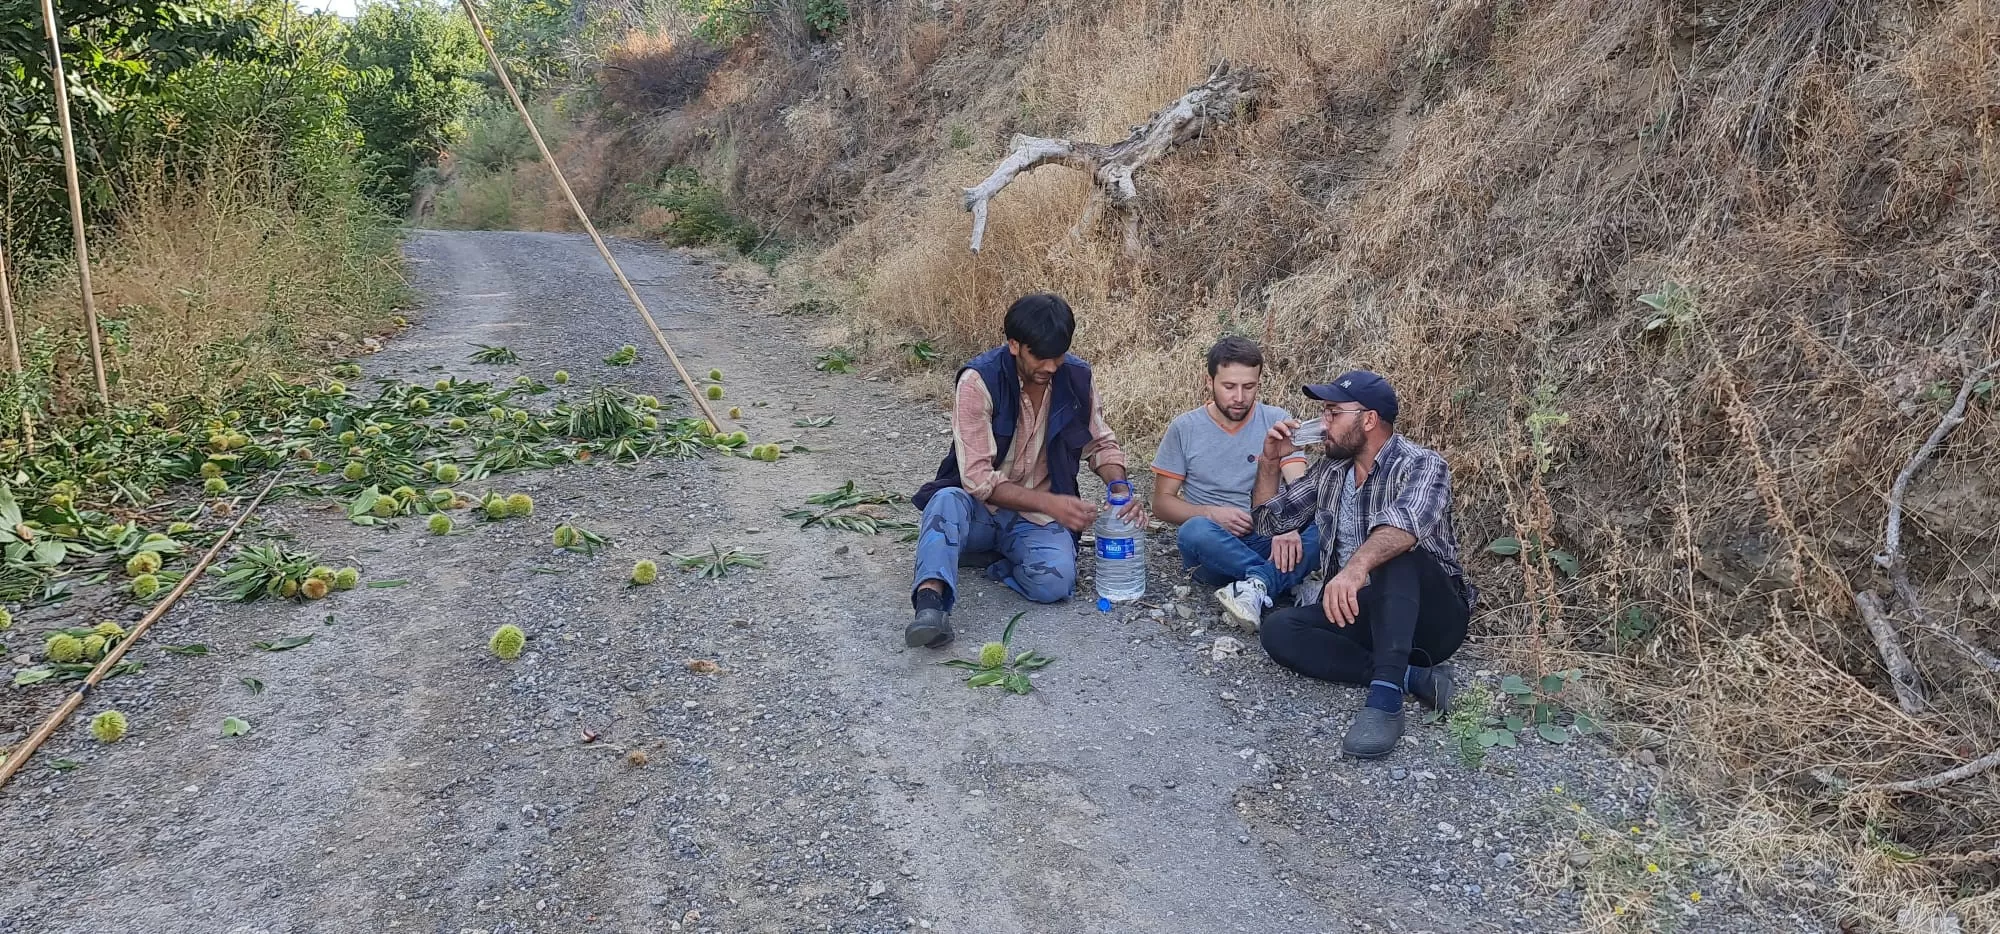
x,y
1344,447
1233,413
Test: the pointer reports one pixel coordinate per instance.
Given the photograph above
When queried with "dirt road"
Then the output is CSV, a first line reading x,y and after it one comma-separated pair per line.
x,y
399,778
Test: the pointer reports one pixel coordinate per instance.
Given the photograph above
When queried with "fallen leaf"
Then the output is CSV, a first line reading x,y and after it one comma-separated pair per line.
x,y
234,726
702,666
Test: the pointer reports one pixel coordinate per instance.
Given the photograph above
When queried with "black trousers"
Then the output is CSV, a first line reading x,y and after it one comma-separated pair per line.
x,y
1412,613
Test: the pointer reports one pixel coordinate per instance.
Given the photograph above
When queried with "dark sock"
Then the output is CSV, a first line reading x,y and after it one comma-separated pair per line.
x,y
1417,679
928,599
1385,696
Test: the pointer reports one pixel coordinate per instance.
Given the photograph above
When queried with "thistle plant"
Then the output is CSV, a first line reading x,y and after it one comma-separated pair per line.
x,y
439,524
145,586
145,562
714,392
645,572
346,578
520,505
215,486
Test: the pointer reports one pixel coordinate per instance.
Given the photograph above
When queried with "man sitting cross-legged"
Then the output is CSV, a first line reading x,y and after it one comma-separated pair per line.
x,y
1396,602
1205,469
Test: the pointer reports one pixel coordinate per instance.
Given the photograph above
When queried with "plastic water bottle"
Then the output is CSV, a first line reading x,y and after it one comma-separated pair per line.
x,y
1121,550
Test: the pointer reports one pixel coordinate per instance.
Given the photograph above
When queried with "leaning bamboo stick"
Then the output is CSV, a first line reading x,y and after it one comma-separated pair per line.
x,y
14,350
61,85
549,159
18,757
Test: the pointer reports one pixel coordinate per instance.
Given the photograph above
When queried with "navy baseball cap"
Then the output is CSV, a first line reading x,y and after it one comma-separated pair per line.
x,y
1370,390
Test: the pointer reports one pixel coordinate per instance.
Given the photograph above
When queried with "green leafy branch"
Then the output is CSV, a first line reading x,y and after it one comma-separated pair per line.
x,y
998,665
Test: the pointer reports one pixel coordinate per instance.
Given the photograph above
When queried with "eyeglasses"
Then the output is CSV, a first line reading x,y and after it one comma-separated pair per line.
x,y
1331,411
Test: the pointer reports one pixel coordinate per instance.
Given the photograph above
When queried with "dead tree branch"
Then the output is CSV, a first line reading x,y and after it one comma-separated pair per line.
x,y
1941,779
1223,97
1909,688
1902,674
1891,557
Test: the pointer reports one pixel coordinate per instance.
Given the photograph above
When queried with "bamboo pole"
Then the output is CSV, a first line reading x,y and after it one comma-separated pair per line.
x,y
75,199
18,757
14,349
549,159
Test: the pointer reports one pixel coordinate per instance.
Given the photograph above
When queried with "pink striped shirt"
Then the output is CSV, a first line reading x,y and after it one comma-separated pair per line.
x,y
1026,463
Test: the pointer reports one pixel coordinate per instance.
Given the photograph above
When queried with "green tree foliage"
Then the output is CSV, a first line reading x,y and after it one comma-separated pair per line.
x,y
414,62
117,54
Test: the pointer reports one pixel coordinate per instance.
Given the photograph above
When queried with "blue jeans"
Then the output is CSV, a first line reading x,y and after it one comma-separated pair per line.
x,y
1216,557
1037,561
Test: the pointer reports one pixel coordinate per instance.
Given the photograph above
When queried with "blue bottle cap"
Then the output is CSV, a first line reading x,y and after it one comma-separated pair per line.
x,y
1103,604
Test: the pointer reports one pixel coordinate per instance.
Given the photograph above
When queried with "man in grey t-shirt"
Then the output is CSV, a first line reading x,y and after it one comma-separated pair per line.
x,y
1205,469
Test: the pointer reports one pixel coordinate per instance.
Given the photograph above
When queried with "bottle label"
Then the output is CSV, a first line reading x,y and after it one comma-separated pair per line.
x,y
1113,549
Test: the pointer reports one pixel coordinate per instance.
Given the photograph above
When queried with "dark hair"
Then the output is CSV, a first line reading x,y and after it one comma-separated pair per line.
x,y
1043,323
1233,349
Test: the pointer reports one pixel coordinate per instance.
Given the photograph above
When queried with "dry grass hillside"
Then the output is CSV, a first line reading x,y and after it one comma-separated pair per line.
x,y
1473,198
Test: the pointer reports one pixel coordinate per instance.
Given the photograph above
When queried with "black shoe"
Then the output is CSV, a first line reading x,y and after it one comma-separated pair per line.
x,y
1374,733
930,630
1436,689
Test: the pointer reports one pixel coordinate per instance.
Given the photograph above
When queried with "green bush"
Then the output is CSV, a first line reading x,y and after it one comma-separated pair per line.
x,y
701,215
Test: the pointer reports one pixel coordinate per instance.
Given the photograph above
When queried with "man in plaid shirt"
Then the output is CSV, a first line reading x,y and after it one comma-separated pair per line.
x,y
1396,603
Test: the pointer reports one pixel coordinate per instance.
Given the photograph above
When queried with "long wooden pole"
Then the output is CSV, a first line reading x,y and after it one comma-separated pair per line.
x,y
75,199
14,348
17,758
549,159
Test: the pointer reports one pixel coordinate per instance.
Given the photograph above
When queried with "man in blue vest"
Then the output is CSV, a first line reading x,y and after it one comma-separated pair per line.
x,y
1025,418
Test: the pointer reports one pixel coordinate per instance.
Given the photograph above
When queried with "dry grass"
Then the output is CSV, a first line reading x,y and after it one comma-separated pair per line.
x,y
202,288
1471,199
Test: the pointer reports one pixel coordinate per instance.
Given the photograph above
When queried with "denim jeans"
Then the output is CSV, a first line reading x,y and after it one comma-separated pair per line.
x,y
1037,561
1217,557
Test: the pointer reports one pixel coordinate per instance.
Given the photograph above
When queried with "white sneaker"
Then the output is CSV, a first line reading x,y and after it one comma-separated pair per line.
x,y
1244,601
1307,592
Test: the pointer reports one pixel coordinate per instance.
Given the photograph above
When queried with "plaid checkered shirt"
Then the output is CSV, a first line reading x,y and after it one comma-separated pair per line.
x,y
1409,488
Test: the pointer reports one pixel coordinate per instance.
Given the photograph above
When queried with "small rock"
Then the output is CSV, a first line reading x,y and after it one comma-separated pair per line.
x,y
1180,592
1445,827
1503,861
1399,774
1225,647
875,889
1243,838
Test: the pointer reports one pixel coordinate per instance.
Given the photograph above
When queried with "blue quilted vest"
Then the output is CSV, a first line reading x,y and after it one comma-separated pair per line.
x,y
1069,420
